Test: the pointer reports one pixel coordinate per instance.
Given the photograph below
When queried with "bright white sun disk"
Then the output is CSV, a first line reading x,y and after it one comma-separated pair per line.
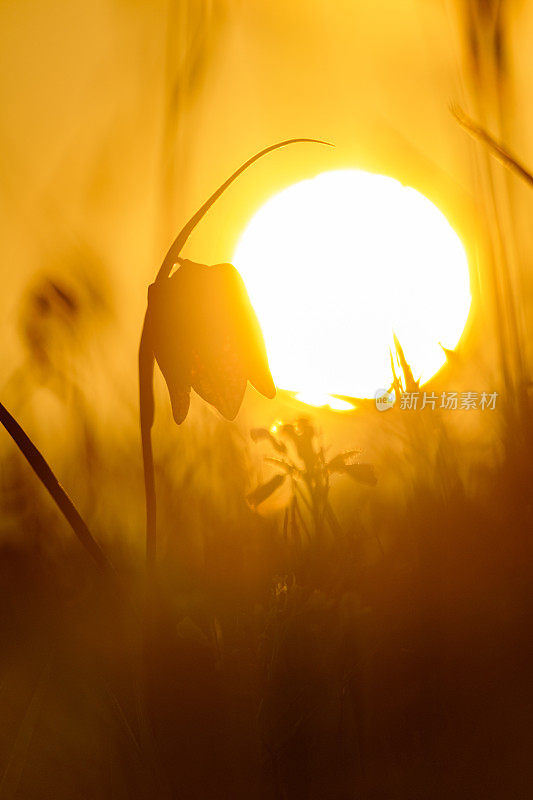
x,y
335,264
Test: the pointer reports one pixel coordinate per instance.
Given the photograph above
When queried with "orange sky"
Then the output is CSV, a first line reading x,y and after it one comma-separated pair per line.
x,y
92,156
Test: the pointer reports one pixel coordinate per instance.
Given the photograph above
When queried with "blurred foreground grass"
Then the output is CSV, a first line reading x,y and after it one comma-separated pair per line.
x,y
387,659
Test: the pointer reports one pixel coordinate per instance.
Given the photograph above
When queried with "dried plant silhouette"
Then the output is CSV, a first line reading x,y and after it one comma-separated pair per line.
x,y
308,471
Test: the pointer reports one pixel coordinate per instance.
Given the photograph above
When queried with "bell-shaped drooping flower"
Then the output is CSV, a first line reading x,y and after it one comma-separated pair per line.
x,y
205,335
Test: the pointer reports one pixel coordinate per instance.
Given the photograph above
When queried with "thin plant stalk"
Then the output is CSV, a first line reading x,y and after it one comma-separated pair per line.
x,y
41,468
499,152
146,356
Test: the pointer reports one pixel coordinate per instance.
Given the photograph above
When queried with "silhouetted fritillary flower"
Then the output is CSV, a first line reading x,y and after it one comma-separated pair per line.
x,y
205,335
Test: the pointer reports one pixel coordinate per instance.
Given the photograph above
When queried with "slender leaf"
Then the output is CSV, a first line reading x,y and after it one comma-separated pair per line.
x,y
265,490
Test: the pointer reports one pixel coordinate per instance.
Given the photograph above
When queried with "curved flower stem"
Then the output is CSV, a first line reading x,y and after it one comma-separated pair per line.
x,y
146,355
40,466
181,239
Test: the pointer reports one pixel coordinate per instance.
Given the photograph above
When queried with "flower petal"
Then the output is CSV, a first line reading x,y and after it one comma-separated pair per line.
x,y
168,331
220,380
246,331
205,335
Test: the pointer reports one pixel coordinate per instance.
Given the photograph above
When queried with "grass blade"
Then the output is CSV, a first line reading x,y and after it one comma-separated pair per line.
x,y
41,468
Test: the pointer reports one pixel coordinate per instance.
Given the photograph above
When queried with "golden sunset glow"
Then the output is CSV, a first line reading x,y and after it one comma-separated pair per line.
x,y
233,234
334,265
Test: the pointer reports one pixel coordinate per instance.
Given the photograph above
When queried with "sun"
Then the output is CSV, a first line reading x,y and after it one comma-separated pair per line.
x,y
335,264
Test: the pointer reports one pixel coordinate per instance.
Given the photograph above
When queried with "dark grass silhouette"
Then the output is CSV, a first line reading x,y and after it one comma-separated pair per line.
x,y
340,672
